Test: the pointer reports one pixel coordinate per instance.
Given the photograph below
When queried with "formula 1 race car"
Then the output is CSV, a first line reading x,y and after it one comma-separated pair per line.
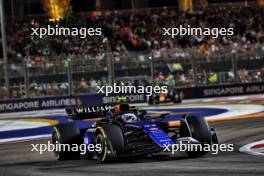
x,y
124,131
169,96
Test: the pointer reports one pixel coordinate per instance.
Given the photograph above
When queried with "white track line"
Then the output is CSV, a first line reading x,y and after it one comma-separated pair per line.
x,y
233,110
237,110
23,139
9,125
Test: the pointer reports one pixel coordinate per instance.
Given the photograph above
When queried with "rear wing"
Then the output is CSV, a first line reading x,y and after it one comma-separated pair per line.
x,y
89,112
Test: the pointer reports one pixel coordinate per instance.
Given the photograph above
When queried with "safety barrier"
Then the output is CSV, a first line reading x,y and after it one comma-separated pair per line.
x,y
98,99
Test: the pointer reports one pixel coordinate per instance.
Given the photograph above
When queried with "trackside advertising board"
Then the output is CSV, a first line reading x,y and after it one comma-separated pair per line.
x,y
223,90
99,99
63,102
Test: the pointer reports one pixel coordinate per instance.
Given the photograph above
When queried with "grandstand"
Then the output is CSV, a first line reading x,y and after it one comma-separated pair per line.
x,y
68,65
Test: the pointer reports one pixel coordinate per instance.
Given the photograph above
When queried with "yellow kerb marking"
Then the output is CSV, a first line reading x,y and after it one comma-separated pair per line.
x,y
49,121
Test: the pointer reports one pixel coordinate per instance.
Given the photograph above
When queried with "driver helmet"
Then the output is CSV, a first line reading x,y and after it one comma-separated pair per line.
x,y
129,117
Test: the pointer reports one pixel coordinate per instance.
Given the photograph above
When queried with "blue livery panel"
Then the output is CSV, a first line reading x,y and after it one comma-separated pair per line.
x,y
158,135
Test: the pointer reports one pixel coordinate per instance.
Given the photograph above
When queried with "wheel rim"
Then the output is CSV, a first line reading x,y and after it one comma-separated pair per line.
x,y
102,154
99,140
56,142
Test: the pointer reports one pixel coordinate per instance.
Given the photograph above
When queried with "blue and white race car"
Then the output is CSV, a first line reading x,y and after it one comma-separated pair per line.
x,y
123,131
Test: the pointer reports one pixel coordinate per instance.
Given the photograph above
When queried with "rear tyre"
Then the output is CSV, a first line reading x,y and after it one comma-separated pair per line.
x,y
153,100
176,96
156,99
67,134
150,100
200,131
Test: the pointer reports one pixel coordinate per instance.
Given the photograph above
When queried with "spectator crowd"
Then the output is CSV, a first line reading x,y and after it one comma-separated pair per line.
x,y
133,36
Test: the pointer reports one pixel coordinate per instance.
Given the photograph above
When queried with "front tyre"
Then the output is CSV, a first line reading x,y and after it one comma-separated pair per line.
x,y
111,141
200,131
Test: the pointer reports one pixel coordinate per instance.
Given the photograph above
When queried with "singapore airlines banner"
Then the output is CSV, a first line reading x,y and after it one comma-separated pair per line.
x,y
63,102
223,90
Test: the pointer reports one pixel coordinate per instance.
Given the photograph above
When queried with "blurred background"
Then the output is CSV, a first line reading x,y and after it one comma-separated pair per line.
x,y
132,50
